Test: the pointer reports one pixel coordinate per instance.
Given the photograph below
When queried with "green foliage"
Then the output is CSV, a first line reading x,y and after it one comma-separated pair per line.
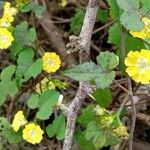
x,y
84,72
103,97
96,135
77,21
101,129
57,128
33,101
128,5
21,3
27,68
102,74
7,132
145,6
37,9
8,86
131,21
45,103
24,36
114,9
103,15
87,115
34,70
115,33
130,18
107,61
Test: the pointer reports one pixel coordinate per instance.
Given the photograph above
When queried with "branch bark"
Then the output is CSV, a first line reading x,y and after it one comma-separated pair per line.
x,y
85,40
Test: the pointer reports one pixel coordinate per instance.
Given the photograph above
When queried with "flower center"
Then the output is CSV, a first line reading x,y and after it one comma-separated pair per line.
x,y
50,62
143,64
33,133
21,121
4,38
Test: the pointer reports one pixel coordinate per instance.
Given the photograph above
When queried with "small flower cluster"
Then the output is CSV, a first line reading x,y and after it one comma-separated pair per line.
x,y
145,32
6,37
107,121
51,62
121,132
32,133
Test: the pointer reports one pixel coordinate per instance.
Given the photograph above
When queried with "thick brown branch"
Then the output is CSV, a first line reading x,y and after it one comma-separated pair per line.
x,y
85,37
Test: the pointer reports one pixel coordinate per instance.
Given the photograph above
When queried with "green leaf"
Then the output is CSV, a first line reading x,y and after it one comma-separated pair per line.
x,y
145,7
103,97
24,61
84,72
7,73
115,34
20,32
39,11
12,136
87,115
44,111
102,75
24,35
131,21
33,101
111,141
103,15
105,80
49,95
16,48
8,86
128,5
47,101
114,9
34,70
21,3
84,143
27,8
77,21
96,135
7,132
31,35
57,128
107,60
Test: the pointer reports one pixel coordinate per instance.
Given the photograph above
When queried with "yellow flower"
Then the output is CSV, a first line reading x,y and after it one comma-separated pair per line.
x,y
6,38
9,12
63,3
32,133
44,85
145,32
4,23
18,121
121,132
51,62
138,66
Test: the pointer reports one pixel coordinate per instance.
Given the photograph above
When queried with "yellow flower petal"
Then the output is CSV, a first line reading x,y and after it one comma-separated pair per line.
x,y
145,32
32,133
18,121
138,66
51,62
6,38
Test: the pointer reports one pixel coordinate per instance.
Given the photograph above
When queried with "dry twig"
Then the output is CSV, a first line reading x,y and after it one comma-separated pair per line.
x,y
85,40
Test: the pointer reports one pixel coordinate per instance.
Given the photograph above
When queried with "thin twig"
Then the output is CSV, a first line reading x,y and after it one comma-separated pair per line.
x,y
133,117
103,27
